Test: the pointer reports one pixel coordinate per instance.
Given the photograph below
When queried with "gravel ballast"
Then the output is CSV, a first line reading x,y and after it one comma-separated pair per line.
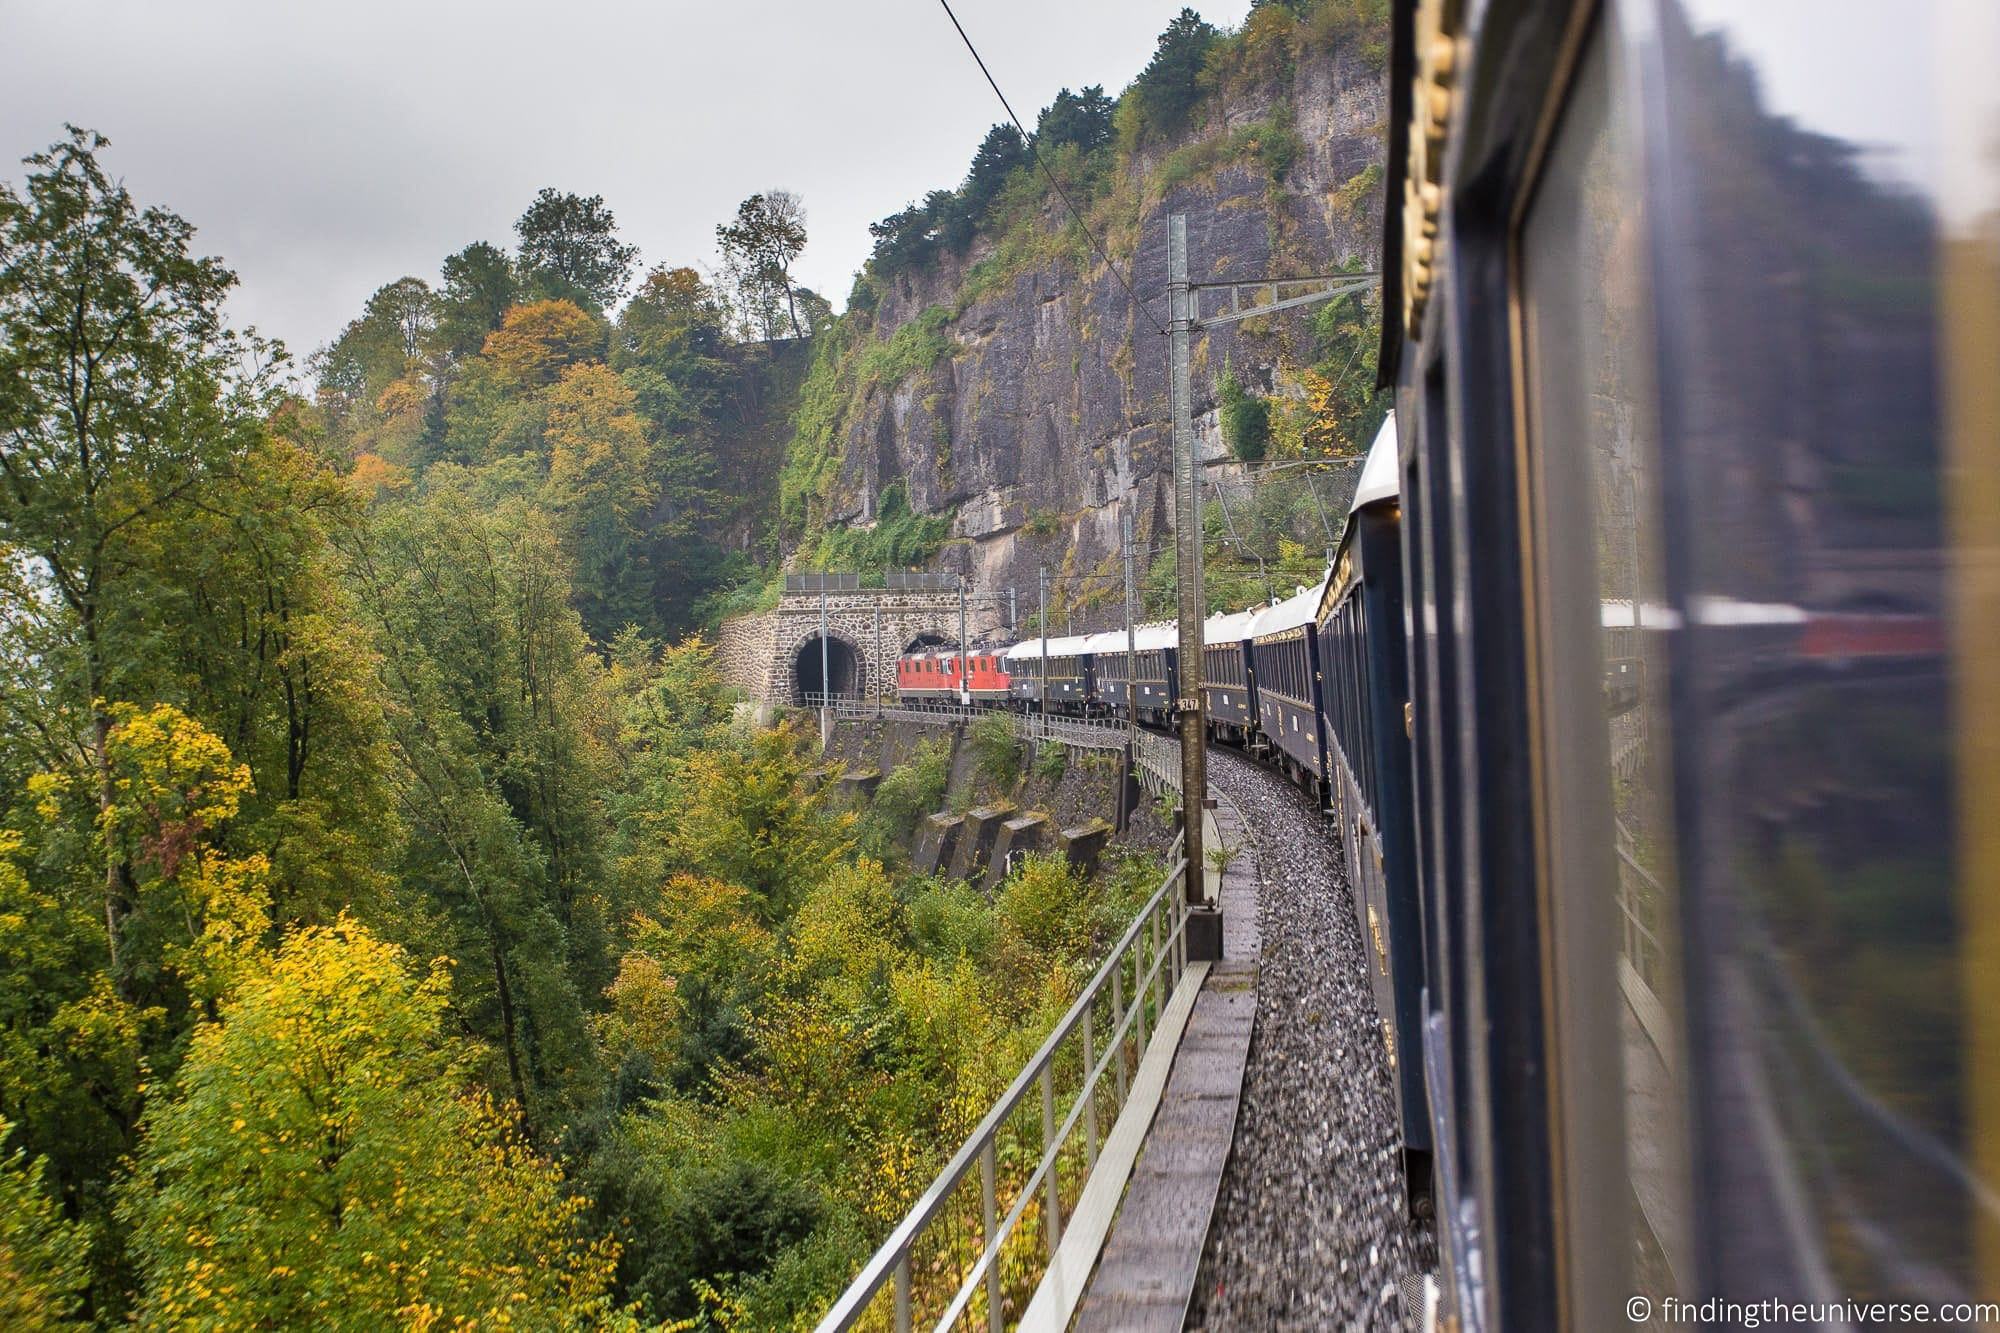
x,y
1310,1229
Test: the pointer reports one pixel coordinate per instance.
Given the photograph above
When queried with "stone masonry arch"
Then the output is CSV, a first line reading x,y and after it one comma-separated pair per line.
x,y
759,654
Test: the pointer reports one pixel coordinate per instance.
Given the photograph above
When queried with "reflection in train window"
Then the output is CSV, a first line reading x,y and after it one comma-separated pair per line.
x,y
1600,624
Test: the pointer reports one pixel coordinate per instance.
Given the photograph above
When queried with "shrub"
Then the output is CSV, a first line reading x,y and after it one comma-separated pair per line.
x,y
996,753
1051,762
1246,419
949,919
904,797
733,1218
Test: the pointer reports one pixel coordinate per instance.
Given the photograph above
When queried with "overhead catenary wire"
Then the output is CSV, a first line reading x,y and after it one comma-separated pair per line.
x,y
1074,212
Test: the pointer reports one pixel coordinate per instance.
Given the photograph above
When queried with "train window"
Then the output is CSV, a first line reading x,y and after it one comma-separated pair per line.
x,y
1602,796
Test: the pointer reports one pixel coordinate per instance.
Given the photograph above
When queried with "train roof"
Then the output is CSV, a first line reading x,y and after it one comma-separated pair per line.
x,y
1030,649
1379,474
1145,638
1294,611
1231,628
1380,481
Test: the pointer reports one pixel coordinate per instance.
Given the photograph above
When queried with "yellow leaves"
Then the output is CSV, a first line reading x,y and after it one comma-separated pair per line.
x,y
645,1010
328,1115
597,442
535,341
373,476
46,790
167,765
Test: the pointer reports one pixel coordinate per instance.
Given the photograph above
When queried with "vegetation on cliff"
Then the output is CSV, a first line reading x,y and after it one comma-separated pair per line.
x,y
1176,126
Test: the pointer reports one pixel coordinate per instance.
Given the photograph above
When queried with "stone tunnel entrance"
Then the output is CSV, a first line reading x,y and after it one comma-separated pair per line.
x,y
843,674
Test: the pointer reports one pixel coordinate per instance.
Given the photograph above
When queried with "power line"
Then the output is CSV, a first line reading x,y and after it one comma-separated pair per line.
x,y
1029,139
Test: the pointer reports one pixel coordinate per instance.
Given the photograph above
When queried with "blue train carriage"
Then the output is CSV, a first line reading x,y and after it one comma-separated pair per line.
x,y
1364,688
1227,680
1284,655
1070,677
1156,671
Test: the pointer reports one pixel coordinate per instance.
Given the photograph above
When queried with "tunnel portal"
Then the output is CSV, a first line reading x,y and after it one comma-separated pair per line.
x,y
843,674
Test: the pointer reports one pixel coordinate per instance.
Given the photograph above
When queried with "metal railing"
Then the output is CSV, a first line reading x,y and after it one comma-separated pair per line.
x,y
972,1249
1157,757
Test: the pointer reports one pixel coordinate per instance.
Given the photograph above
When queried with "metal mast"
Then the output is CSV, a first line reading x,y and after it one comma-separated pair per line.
x,y
1191,708
1131,634
1045,646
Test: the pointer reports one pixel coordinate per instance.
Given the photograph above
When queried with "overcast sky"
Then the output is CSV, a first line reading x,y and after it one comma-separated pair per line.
x,y
324,150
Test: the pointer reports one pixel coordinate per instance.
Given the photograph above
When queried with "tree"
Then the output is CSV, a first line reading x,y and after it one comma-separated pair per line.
x,y
499,768
43,1268
758,249
536,341
998,155
1246,419
1080,120
479,287
122,399
324,1162
1168,88
673,326
744,818
570,250
383,345
602,485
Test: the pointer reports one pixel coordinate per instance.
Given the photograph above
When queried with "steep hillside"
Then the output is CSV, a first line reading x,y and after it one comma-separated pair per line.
x,y
987,408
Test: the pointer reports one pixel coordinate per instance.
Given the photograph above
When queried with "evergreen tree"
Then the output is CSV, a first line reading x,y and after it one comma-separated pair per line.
x,y
1168,88
479,285
1080,120
570,250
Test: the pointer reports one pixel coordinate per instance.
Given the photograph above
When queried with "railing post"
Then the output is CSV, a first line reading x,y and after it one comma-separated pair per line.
x,y
1139,999
1157,962
903,1292
1090,1086
989,1201
1117,1024
1052,1194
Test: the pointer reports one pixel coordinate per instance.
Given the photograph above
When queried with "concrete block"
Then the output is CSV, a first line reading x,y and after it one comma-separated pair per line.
x,y
1017,837
975,839
1083,845
855,788
937,839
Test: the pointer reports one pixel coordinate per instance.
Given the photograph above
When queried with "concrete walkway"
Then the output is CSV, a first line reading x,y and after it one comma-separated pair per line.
x,y
1146,1274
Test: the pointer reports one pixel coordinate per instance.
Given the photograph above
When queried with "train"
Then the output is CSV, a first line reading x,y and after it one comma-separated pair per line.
x,y
1696,371
1654,685
1300,684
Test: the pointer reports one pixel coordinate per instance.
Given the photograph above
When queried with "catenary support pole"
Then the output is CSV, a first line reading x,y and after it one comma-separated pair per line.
x,y
964,681
1205,937
825,679
1044,627
1131,631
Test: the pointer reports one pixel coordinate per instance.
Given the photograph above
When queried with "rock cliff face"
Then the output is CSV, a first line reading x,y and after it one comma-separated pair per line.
x,y
1029,404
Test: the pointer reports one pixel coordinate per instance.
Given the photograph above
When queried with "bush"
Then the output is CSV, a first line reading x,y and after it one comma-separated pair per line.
x,y
995,751
949,919
1051,762
1043,921
904,797
732,1218
1246,419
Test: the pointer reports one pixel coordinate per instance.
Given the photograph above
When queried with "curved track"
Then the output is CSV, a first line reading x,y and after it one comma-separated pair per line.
x,y
1310,1228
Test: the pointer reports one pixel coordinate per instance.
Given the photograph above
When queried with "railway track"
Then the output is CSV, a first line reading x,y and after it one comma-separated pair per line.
x,y
1310,1228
